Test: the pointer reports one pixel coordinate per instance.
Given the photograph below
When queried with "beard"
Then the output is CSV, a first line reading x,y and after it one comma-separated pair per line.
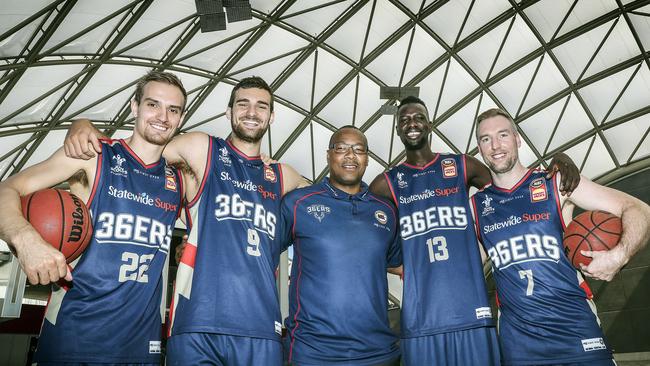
x,y
505,167
247,135
415,145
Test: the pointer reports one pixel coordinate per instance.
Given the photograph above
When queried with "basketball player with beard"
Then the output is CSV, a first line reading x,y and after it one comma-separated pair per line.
x,y
111,311
446,317
546,312
225,308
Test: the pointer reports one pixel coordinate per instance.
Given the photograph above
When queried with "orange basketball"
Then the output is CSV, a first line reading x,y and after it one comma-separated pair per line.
x,y
61,218
591,230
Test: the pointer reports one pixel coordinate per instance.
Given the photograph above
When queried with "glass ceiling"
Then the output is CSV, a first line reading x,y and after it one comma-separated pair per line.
x,y
575,74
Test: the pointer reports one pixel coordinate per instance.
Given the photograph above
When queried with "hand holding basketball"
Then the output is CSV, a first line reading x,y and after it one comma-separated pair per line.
x,y
39,260
589,241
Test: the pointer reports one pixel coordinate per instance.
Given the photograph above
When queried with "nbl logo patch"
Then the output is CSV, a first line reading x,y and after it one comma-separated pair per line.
x,y
269,174
449,168
538,190
381,217
170,181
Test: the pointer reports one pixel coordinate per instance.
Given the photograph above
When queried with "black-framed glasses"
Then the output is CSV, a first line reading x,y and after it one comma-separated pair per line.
x,y
342,148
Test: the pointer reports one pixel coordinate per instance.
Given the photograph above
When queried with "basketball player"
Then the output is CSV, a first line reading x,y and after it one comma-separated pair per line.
x,y
344,239
225,308
446,318
111,311
545,316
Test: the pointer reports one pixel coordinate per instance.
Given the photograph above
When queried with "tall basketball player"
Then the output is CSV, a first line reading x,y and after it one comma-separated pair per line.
x,y
225,309
446,317
110,312
344,238
546,316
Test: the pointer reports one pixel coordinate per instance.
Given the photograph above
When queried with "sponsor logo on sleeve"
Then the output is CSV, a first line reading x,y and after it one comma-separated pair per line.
x,y
538,190
170,180
269,174
449,168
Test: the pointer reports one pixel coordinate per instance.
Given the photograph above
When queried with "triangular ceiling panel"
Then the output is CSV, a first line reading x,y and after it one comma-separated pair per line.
x,y
482,12
213,105
430,88
598,160
155,47
520,42
106,80
526,155
547,16
372,171
31,86
267,71
260,51
574,123
298,86
312,17
321,136
368,101
379,136
585,11
457,85
350,36
424,50
575,54
286,122
44,150
14,43
642,25
447,20
202,42
480,54
338,112
386,19
625,137
540,126
630,101
601,95
619,46
83,16
458,127
329,71
510,90
548,81
299,157
214,57
389,65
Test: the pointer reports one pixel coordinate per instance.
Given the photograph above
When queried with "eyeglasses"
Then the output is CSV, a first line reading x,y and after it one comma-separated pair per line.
x,y
342,148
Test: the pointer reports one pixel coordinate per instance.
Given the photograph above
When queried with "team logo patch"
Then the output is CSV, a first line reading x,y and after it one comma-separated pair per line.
x,y
170,180
118,169
449,168
269,174
538,190
318,211
487,206
593,344
381,217
400,182
224,157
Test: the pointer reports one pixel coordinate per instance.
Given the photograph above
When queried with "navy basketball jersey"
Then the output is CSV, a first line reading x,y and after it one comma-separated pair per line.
x,y
544,313
225,283
444,285
111,312
338,297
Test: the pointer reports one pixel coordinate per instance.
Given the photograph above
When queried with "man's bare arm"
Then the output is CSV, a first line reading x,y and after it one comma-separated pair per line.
x,y
40,261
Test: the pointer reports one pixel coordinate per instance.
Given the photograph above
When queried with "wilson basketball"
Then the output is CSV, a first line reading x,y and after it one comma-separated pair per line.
x,y
591,230
61,218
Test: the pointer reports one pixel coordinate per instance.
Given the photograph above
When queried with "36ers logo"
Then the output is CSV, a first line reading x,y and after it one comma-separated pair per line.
x,y
449,168
538,190
269,174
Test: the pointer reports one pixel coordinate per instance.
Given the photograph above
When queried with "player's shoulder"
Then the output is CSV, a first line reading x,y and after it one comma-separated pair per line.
x,y
300,193
381,200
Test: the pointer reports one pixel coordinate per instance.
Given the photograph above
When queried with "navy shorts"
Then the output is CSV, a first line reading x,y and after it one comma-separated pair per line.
x,y
470,347
222,350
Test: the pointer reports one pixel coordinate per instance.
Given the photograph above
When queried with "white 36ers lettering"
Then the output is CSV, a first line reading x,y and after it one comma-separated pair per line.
x,y
133,229
524,248
433,218
234,208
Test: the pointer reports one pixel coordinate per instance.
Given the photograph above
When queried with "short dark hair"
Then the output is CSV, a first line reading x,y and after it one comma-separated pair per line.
x,y
250,82
412,100
348,127
161,77
493,112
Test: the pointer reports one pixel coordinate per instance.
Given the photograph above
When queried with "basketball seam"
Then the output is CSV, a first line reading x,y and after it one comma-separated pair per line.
x,y
62,221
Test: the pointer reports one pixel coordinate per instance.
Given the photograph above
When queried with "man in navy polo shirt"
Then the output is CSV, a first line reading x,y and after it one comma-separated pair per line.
x,y
344,240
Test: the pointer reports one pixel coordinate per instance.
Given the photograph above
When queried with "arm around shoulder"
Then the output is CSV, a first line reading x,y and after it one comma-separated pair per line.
x,y
292,179
380,187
